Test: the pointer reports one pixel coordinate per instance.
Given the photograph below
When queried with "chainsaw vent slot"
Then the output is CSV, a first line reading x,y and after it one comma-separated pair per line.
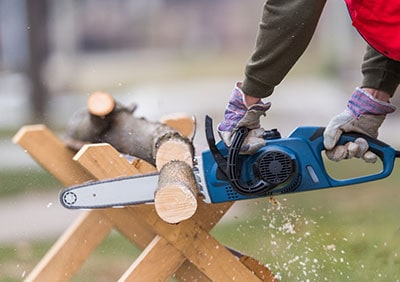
x,y
275,167
230,193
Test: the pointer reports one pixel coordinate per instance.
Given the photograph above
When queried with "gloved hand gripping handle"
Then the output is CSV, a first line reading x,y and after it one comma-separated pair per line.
x,y
228,166
385,153
260,186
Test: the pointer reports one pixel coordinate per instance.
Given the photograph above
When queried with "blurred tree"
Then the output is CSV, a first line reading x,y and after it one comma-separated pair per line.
x,y
38,52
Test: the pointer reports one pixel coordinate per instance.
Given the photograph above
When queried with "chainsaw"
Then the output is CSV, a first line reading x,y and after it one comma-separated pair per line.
x,y
284,165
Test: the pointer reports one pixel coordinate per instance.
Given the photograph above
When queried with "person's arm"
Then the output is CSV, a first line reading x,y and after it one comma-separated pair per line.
x,y
380,74
285,30
284,33
367,107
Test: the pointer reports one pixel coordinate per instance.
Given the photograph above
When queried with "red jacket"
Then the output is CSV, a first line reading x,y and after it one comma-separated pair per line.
x,y
378,21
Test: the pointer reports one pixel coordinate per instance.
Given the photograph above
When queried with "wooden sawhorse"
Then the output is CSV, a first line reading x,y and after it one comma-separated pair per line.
x,y
185,250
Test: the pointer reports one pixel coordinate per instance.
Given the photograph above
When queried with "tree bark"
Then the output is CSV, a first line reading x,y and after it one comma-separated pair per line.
x,y
135,136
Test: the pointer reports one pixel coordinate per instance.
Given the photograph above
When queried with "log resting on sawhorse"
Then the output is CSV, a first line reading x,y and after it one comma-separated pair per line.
x,y
185,250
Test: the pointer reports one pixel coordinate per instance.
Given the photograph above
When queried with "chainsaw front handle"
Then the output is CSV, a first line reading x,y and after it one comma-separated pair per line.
x,y
385,152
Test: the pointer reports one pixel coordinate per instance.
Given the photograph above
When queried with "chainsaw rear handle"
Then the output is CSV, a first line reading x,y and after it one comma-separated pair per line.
x,y
384,151
228,165
260,186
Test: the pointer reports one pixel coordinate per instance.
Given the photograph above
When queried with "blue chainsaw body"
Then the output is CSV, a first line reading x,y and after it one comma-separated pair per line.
x,y
284,165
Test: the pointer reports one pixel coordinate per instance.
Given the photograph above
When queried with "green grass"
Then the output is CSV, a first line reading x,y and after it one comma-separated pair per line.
x,y
18,259
14,182
345,234
111,258
322,236
109,261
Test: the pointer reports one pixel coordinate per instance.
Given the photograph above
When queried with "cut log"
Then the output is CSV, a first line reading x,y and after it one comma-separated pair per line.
x,y
171,147
176,197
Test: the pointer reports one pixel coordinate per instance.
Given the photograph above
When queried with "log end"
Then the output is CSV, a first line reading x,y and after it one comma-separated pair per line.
x,y
100,103
175,203
176,197
174,149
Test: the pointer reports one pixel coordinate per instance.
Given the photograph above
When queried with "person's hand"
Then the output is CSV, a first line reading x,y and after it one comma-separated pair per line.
x,y
239,114
364,114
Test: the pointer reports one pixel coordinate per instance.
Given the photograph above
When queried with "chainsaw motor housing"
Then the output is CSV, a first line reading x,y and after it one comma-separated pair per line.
x,y
275,166
284,165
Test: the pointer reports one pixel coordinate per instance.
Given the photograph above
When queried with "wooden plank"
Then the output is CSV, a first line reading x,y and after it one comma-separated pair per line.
x,y
108,218
104,161
189,272
143,166
185,124
134,229
92,228
115,164
203,250
208,215
259,269
94,157
138,232
62,260
51,153
72,249
158,256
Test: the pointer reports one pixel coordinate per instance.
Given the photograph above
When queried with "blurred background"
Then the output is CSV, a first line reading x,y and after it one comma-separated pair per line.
x,y
167,56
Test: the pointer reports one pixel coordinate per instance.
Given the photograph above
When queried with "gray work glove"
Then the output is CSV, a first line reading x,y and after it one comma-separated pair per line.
x,y
364,114
238,114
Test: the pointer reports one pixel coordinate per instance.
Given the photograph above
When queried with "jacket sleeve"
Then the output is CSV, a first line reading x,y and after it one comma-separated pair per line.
x,y
380,72
285,30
